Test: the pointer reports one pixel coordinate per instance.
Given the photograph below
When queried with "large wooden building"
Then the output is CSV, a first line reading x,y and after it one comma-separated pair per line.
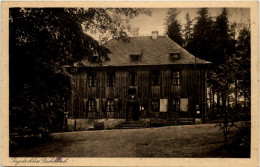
x,y
146,77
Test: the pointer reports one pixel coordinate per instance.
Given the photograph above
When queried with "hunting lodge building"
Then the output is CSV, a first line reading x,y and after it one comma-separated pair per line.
x,y
147,77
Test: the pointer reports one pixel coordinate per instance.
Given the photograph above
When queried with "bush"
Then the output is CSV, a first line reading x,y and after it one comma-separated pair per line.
x,y
244,135
99,126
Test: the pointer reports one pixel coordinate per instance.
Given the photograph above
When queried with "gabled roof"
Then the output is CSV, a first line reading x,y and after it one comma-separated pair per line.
x,y
153,52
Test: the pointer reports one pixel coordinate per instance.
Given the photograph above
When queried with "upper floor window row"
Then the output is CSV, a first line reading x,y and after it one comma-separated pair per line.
x,y
92,79
155,78
111,79
175,78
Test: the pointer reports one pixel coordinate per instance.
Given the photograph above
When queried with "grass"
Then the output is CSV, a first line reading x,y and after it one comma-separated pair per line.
x,y
174,141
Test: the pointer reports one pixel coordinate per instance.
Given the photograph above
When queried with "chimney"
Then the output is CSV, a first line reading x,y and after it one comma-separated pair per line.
x,y
154,34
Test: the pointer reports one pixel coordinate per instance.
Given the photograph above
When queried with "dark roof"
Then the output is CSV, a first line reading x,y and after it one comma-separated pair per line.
x,y
153,52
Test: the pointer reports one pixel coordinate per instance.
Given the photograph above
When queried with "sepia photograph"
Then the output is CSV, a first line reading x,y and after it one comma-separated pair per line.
x,y
129,82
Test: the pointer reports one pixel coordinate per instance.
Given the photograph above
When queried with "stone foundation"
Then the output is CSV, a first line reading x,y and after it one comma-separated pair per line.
x,y
92,124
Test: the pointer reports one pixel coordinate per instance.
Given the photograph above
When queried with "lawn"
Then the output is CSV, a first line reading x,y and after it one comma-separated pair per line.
x,y
203,140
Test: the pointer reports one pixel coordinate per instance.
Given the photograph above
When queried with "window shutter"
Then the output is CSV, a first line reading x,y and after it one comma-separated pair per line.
x,y
95,79
184,104
85,104
163,105
97,105
104,105
116,105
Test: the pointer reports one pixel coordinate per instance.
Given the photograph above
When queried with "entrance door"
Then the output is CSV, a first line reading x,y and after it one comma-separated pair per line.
x,y
175,108
132,111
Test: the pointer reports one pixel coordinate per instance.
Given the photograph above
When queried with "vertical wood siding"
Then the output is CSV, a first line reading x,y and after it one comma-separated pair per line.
x,y
191,86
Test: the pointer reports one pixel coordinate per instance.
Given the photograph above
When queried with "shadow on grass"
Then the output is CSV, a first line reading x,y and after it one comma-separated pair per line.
x,y
239,147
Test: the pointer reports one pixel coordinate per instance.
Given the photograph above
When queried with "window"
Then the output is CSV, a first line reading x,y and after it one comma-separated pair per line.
x,y
110,105
91,106
176,105
174,56
132,91
132,78
156,78
176,78
92,79
155,105
135,57
110,79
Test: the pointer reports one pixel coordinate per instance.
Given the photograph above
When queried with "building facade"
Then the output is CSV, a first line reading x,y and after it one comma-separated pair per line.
x,y
146,77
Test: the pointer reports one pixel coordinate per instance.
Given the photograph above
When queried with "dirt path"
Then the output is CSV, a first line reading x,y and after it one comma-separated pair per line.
x,y
173,141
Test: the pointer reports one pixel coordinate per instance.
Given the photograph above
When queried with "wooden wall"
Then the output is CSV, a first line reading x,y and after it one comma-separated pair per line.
x,y
192,86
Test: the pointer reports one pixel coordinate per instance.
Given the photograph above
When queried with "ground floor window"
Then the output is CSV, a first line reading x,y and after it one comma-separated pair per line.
x,y
110,105
155,105
91,106
175,104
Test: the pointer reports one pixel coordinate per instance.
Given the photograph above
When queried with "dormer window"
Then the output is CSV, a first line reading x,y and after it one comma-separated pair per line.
x,y
174,56
135,57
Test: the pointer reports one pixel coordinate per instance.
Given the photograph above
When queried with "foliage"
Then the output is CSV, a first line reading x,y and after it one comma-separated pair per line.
x,y
243,72
173,29
202,43
214,39
229,74
42,41
226,122
223,72
188,31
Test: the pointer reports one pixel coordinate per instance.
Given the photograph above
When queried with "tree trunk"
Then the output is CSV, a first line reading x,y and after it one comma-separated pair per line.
x,y
235,93
218,102
210,102
225,116
224,105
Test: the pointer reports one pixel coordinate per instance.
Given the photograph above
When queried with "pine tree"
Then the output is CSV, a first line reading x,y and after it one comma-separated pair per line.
x,y
188,30
201,43
224,71
173,26
243,75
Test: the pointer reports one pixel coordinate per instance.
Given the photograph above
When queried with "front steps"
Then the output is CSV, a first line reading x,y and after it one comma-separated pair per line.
x,y
131,125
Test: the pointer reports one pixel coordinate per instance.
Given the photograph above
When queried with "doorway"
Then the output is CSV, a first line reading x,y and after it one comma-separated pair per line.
x,y
132,112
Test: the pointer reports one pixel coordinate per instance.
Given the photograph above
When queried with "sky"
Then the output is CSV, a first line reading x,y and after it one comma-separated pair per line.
x,y
156,22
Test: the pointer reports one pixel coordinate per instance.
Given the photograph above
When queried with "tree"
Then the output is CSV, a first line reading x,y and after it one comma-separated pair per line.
x,y
224,44
243,75
173,27
42,41
201,43
225,71
188,30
